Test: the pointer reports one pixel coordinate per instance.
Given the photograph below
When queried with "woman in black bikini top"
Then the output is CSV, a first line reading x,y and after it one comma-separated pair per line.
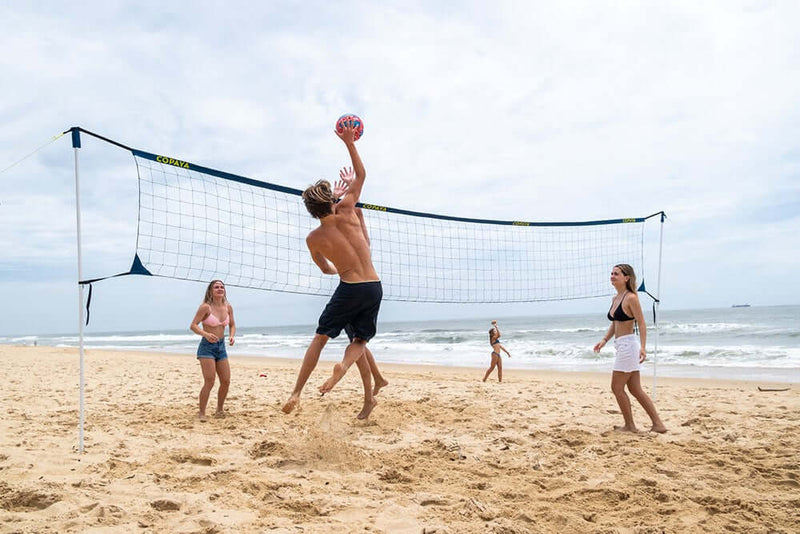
x,y
619,313
630,349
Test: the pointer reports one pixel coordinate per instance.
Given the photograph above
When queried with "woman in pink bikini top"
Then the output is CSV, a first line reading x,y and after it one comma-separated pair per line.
x,y
213,315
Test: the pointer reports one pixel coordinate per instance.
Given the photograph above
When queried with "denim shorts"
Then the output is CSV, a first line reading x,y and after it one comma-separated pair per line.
x,y
212,350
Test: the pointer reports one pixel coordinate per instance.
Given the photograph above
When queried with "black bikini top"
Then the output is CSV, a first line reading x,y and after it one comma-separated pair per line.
x,y
619,313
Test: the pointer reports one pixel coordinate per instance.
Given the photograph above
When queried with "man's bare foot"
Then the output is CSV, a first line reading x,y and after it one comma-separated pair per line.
x,y
367,409
338,373
626,428
202,417
378,385
291,404
219,414
660,428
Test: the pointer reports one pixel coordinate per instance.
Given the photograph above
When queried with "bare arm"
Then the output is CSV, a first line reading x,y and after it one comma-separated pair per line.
x,y
342,188
202,313
354,189
322,262
496,330
232,325
636,308
606,337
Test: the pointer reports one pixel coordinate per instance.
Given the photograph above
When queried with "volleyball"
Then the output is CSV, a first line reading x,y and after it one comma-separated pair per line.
x,y
351,120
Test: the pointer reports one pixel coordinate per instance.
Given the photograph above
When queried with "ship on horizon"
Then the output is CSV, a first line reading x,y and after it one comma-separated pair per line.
x,y
740,306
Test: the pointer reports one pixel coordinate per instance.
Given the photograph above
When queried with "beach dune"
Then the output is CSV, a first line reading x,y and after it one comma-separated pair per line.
x,y
442,452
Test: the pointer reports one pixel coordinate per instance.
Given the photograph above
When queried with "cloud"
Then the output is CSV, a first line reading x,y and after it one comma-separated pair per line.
x,y
537,111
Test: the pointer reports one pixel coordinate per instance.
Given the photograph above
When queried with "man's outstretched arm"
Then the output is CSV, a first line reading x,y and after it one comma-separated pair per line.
x,y
354,190
322,262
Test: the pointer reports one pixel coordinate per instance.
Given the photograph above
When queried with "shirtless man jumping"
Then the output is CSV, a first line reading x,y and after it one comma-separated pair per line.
x,y
340,245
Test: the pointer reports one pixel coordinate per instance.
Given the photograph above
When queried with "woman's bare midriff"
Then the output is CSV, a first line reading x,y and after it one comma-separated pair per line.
x,y
623,328
218,331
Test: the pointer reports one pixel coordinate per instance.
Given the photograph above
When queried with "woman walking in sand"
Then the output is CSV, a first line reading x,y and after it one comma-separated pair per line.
x,y
626,311
215,313
494,341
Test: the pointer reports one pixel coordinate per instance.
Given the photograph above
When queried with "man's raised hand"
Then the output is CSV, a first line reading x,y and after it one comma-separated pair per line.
x,y
340,188
347,175
348,134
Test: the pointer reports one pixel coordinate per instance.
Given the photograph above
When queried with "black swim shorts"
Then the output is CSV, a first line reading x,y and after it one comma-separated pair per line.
x,y
353,307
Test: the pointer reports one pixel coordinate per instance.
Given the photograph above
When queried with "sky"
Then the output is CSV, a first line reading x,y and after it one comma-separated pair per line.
x,y
536,111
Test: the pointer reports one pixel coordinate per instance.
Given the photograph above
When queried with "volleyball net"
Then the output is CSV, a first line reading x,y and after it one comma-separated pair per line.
x,y
198,223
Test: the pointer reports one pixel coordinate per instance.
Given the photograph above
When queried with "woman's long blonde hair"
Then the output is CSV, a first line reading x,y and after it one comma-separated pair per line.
x,y
209,298
627,270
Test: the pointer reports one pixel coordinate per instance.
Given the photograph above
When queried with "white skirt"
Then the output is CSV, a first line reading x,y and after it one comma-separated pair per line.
x,y
627,359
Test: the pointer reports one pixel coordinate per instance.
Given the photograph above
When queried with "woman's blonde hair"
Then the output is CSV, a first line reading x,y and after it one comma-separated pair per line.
x,y
627,270
209,298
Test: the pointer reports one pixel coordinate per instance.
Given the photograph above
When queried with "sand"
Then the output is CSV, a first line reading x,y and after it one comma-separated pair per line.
x,y
442,452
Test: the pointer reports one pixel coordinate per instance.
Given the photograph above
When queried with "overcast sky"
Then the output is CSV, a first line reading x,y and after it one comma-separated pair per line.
x,y
538,111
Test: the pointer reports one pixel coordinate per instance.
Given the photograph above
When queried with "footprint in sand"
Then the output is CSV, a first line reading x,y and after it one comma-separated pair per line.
x,y
15,500
191,459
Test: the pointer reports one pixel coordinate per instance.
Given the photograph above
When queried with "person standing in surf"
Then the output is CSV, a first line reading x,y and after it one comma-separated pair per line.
x,y
494,341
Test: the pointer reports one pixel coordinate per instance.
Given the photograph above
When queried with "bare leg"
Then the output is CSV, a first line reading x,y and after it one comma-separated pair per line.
x,y
353,352
635,387
224,373
209,375
380,381
618,381
309,363
366,377
491,367
499,369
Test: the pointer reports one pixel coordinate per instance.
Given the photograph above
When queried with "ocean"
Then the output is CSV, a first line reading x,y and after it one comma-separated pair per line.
x,y
754,343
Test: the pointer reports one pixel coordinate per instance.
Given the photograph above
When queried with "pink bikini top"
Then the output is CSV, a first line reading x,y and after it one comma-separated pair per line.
x,y
212,320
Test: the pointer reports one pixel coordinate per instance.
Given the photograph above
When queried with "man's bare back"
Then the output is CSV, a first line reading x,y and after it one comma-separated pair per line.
x,y
340,239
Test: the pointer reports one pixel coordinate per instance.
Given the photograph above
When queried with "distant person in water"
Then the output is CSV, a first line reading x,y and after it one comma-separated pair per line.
x,y
213,315
494,341
626,311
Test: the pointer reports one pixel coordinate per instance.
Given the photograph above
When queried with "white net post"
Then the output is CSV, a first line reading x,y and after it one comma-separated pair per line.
x,y
76,145
657,302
